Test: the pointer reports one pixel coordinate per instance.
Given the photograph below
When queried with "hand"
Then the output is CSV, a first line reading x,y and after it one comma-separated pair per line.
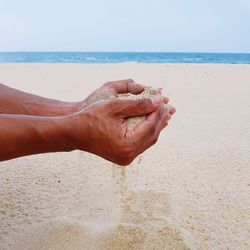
x,y
101,127
112,89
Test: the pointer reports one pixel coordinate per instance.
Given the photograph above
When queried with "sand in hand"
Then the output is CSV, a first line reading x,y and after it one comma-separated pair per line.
x,y
147,93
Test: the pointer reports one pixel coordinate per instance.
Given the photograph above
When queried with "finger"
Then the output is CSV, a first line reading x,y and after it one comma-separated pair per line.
x,y
172,109
129,108
166,99
144,131
126,86
148,131
163,121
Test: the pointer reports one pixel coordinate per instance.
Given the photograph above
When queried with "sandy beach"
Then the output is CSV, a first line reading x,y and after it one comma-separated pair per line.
x,y
190,191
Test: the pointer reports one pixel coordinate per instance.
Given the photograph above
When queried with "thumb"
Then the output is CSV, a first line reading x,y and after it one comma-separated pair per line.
x,y
139,107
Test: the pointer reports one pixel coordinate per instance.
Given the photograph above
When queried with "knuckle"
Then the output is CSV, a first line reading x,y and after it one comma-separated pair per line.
x,y
107,84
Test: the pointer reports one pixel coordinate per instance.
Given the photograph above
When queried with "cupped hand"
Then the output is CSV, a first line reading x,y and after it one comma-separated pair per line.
x,y
101,127
111,90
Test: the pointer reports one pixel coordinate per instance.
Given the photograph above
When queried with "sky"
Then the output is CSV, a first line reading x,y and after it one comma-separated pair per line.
x,y
128,25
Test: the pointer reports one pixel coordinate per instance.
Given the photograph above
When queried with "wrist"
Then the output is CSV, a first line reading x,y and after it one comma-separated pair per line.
x,y
74,107
73,129
68,108
50,134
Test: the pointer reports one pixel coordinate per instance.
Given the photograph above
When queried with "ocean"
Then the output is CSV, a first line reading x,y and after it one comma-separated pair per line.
x,y
118,57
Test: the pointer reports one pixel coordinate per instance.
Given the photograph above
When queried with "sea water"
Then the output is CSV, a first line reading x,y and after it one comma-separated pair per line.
x,y
119,57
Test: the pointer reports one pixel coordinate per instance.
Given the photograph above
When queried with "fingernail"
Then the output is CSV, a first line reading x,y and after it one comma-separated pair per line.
x,y
157,99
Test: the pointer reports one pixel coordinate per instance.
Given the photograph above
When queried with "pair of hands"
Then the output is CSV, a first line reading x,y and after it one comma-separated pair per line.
x,y
100,125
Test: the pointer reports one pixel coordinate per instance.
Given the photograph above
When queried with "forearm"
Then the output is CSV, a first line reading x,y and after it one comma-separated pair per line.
x,y
22,135
13,101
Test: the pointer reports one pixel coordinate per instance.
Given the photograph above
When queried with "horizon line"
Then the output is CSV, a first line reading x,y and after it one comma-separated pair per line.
x,y
158,52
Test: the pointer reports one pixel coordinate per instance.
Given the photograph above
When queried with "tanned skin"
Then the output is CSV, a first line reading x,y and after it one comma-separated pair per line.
x,y
31,124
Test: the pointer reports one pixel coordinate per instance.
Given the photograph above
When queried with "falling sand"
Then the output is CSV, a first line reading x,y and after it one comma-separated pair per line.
x,y
142,214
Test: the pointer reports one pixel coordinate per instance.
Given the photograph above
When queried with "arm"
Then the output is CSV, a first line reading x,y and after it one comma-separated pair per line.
x,y
99,129
22,135
13,101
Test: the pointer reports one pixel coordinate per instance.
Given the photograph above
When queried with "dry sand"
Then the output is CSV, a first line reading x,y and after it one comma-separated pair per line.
x,y
147,93
191,190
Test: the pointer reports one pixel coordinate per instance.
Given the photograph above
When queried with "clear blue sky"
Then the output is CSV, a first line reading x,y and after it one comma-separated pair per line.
x,y
127,25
